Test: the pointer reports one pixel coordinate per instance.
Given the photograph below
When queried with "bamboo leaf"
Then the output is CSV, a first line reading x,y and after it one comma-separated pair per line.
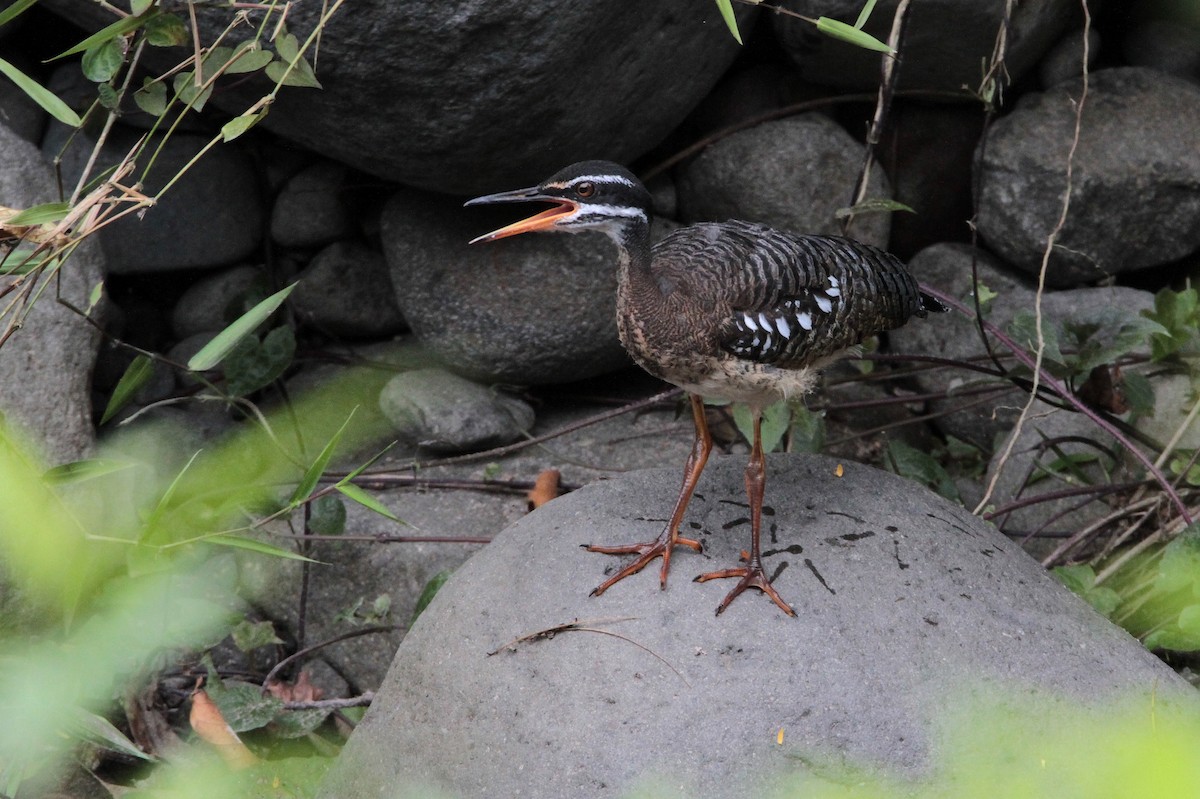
x,y
136,376
43,214
873,207
313,474
254,545
726,8
848,33
41,95
240,124
223,343
867,8
366,500
118,28
15,10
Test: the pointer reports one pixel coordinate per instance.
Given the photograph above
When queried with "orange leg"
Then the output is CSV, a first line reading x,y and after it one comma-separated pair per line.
x,y
752,574
669,538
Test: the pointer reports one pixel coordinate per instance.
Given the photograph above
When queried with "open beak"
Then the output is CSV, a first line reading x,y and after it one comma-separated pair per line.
x,y
540,221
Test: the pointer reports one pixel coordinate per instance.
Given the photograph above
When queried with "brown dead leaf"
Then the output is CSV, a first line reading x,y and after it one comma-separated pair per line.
x,y
209,724
302,690
545,488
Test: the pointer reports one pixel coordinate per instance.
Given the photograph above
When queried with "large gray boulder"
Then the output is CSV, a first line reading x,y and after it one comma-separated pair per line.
x,y
1135,188
527,310
792,174
46,366
945,42
902,599
467,95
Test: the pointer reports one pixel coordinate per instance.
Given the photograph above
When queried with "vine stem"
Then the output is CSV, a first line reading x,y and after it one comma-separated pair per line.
x,y
1059,388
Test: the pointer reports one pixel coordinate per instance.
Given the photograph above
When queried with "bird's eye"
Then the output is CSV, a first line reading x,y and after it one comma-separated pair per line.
x,y
586,189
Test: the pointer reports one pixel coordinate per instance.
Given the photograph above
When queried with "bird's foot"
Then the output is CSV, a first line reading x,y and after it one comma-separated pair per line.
x,y
647,552
752,576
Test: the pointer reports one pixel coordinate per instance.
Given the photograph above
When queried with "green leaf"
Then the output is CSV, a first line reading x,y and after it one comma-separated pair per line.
x,y
776,419
848,33
863,15
100,731
152,97
1179,566
119,28
250,635
254,364
429,592
138,7
240,124
726,7
327,515
807,430
102,62
1139,393
43,214
910,462
166,30
254,545
366,500
301,76
40,95
312,475
1023,329
87,469
136,375
877,206
1081,579
223,343
249,57
1182,636
109,99
15,10
297,724
243,705
23,259
1179,313
189,93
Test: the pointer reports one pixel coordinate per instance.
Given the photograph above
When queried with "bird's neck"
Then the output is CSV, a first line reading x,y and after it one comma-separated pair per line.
x,y
634,275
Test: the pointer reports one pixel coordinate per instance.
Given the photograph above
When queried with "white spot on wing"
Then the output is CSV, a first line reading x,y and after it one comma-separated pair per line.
x,y
834,292
765,322
784,329
824,303
748,321
805,320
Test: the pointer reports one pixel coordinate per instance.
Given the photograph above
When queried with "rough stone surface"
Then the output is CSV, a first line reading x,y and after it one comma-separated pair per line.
x,y
346,291
1064,61
978,418
484,93
213,302
212,217
46,366
945,40
791,174
312,209
530,309
1135,190
900,596
440,411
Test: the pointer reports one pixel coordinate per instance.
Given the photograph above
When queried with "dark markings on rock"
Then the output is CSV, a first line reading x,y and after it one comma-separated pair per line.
x,y
779,570
965,596
857,536
773,532
931,621
808,562
767,510
891,528
951,524
896,552
695,525
733,502
809,506
986,552
735,523
794,549
847,515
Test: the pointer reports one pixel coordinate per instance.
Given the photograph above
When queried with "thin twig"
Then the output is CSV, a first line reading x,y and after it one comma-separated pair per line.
x,y
383,628
362,699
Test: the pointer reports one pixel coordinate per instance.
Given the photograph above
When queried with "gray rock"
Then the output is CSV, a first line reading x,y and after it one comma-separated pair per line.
x,y
478,95
346,290
1167,45
791,174
979,418
1065,59
531,309
213,302
312,209
945,41
46,366
441,411
1135,193
212,217
18,112
900,597
1174,397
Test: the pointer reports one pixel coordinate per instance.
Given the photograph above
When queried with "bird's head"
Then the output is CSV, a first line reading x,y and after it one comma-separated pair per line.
x,y
590,195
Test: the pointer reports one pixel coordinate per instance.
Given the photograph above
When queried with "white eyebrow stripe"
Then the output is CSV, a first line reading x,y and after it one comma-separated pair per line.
x,y
611,210
592,179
